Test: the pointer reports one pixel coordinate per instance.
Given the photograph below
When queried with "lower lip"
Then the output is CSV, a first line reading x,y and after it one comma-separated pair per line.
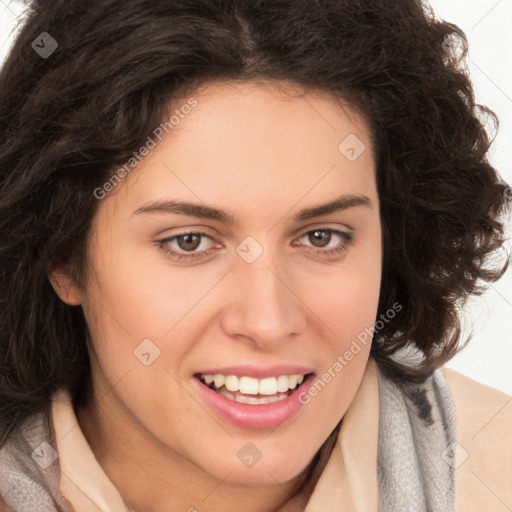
x,y
262,416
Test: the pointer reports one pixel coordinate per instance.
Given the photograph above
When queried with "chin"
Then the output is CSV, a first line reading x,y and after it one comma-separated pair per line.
x,y
278,467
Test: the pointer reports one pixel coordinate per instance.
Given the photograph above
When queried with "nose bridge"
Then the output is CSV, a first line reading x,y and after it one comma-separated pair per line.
x,y
263,306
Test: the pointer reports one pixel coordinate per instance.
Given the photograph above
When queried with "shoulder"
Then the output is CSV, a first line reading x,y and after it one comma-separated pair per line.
x,y
29,467
483,464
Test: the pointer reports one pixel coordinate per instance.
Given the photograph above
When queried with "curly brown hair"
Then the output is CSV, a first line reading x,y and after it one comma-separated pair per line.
x,y
68,118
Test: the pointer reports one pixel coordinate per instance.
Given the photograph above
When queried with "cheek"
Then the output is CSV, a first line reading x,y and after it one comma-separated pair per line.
x,y
143,297
348,302
351,312
347,299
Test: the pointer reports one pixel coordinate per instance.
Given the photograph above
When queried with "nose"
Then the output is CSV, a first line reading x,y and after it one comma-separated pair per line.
x,y
264,306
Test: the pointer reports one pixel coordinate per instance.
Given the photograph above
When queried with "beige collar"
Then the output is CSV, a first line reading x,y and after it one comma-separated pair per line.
x,y
349,480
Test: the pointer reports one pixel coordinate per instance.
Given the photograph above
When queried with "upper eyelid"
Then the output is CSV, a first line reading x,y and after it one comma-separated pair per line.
x,y
298,232
345,229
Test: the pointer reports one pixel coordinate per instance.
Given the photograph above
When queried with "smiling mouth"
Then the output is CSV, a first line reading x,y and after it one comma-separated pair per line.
x,y
252,391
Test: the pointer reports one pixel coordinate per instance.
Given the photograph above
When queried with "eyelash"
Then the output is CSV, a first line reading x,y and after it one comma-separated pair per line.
x,y
163,244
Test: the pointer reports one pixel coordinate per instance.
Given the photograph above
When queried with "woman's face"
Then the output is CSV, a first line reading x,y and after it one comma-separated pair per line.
x,y
272,292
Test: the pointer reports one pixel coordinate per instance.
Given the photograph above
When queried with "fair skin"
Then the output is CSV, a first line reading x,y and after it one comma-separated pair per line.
x,y
260,156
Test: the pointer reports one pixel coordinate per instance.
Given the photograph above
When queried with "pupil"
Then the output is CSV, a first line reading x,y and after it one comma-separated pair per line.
x,y
318,236
187,241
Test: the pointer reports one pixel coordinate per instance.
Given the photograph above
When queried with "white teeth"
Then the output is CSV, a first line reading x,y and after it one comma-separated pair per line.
x,y
268,386
282,383
232,383
251,400
227,395
251,386
219,380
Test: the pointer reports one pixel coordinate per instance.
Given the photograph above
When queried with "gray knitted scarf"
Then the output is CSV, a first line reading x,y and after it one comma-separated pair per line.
x,y
415,453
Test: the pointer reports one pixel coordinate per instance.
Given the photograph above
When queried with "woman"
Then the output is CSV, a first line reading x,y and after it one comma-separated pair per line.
x,y
234,238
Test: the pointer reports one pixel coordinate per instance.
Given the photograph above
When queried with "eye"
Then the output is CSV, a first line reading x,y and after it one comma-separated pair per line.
x,y
189,241
190,246
322,237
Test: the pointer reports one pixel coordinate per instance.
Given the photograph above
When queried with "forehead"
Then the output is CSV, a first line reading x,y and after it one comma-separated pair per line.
x,y
248,144
236,109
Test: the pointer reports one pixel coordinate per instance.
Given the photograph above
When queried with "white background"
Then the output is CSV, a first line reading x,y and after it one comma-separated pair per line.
x,y
487,25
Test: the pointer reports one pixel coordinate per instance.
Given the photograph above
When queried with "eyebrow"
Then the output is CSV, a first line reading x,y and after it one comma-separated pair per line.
x,y
208,212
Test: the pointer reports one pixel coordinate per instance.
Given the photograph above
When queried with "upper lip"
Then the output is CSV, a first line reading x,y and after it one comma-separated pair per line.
x,y
258,372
